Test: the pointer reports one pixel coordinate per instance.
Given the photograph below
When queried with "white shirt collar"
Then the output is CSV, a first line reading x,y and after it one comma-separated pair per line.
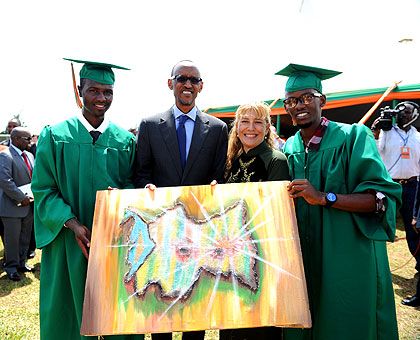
x,y
19,151
101,128
407,132
192,114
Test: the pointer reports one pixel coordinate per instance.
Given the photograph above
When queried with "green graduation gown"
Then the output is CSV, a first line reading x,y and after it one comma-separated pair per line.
x,y
344,254
68,171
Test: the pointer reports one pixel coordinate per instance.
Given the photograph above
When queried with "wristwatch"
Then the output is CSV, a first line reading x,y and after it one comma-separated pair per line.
x,y
331,198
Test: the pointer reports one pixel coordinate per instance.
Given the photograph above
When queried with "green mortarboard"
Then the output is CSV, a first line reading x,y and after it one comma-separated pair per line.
x,y
305,77
99,72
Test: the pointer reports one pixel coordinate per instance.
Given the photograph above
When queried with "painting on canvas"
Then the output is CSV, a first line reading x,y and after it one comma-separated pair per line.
x,y
191,258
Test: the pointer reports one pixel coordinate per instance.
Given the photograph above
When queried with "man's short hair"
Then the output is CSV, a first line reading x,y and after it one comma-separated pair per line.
x,y
18,131
179,62
14,119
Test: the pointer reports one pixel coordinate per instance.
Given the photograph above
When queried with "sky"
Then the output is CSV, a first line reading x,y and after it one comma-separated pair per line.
x,y
237,45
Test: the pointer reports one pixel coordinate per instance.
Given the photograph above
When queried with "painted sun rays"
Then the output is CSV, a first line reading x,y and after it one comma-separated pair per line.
x,y
184,247
219,240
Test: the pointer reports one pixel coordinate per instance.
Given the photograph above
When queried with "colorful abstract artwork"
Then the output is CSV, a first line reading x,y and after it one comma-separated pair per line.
x,y
198,257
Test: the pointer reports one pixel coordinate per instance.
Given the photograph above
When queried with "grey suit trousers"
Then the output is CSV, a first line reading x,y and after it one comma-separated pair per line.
x,y
17,235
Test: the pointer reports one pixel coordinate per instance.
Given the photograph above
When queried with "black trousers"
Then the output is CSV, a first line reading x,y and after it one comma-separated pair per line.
x,y
260,333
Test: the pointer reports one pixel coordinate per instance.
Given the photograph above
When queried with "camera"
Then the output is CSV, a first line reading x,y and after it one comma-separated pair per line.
x,y
387,114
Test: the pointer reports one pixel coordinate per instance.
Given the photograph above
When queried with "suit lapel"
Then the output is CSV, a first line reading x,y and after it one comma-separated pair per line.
x,y
201,129
19,161
168,131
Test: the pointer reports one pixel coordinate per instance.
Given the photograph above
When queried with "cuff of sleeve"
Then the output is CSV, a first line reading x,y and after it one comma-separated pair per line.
x,y
380,206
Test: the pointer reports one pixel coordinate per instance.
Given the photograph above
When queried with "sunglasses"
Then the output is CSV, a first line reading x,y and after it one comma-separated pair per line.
x,y
27,138
183,79
306,98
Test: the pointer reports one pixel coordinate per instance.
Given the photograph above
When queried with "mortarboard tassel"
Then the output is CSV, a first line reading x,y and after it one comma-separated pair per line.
x,y
76,93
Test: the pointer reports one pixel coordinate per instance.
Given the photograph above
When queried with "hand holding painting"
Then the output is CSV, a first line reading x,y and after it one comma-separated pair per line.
x,y
303,188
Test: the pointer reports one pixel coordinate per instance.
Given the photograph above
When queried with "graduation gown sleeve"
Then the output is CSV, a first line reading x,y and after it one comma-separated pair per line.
x,y
50,206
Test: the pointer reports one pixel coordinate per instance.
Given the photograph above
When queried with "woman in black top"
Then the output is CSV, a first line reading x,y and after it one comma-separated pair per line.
x,y
252,157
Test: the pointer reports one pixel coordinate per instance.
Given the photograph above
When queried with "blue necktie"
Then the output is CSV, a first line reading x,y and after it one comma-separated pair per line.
x,y
182,139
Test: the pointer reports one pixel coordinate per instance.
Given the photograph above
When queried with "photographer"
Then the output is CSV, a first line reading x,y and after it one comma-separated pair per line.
x,y
399,146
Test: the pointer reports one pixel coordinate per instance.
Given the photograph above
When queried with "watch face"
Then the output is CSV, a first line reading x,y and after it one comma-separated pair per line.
x,y
331,197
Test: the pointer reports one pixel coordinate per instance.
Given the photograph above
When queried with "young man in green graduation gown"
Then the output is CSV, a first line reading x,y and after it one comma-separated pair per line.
x,y
75,159
345,207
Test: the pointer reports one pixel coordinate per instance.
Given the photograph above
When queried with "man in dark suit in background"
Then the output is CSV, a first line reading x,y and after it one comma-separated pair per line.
x,y
11,124
181,146
16,165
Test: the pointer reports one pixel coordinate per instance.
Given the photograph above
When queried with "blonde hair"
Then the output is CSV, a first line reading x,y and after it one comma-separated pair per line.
x,y
235,149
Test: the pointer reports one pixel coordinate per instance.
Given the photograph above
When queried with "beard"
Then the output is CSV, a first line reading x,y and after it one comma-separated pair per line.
x,y
304,126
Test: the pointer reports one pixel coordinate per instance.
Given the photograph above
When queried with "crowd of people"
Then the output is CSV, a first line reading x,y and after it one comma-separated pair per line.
x,y
346,194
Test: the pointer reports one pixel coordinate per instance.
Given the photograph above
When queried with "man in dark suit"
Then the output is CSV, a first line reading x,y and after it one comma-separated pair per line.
x,y
16,165
11,124
181,146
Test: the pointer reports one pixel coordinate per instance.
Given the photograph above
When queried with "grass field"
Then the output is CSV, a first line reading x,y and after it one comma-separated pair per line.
x,y
19,317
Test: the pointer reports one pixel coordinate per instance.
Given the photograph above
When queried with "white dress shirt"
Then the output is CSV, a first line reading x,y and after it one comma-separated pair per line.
x,y
20,152
101,128
389,145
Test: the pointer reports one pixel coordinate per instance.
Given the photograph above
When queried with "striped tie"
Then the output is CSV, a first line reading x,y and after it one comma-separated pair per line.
x,y
27,164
